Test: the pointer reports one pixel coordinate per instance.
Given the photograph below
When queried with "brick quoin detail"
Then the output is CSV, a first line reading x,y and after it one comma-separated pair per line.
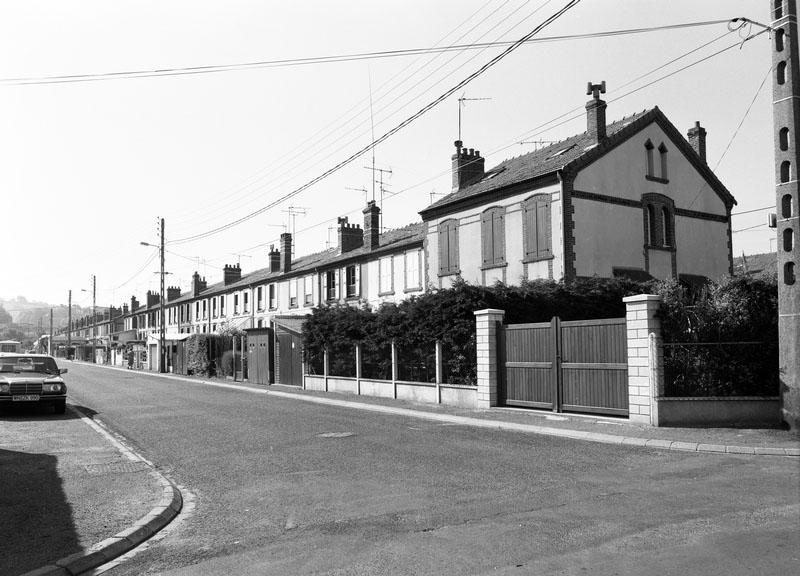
x,y
645,373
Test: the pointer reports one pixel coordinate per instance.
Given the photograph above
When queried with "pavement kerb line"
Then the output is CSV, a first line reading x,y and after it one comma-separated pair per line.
x,y
142,530
657,443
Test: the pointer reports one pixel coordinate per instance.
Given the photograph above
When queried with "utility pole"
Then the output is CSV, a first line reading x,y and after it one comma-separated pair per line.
x,y
69,325
786,123
162,337
94,318
50,341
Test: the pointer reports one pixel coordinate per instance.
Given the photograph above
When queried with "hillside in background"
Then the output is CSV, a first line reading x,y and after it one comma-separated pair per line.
x,y
28,317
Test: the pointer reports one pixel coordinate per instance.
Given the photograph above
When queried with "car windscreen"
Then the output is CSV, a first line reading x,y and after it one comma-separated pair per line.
x,y
28,364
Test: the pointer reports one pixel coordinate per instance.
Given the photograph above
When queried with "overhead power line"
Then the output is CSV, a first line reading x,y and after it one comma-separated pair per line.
x,y
552,123
397,128
217,68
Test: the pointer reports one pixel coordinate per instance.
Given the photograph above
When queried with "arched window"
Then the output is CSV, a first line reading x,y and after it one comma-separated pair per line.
x,y
787,210
781,72
786,171
783,139
662,152
648,147
779,33
659,221
788,240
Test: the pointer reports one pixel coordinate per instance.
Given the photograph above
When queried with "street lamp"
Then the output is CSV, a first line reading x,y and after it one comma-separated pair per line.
x,y
94,316
161,336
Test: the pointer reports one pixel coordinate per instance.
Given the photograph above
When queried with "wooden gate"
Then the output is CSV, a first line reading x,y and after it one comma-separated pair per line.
x,y
260,365
576,366
290,356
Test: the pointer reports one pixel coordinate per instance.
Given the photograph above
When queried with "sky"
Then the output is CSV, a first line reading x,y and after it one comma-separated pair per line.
x,y
89,168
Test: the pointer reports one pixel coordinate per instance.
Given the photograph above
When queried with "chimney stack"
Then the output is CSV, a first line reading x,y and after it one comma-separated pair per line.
x,y
468,166
697,138
286,253
274,259
124,309
173,293
134,304
198,284
152,298
596,112
372,225
231,273
350,236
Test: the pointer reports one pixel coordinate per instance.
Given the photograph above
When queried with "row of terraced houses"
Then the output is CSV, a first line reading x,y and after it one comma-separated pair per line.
x,y
634,197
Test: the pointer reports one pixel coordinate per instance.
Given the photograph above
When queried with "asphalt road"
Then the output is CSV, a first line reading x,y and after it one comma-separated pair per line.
x,y
289,487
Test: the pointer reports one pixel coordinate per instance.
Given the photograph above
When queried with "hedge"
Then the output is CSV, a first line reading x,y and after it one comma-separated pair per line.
x,y
448,316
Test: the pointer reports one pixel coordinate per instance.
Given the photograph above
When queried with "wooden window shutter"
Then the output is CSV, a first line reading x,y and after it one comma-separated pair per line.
x,y
444,251
487,238
543,236
498,240
452,245
358,279
324,276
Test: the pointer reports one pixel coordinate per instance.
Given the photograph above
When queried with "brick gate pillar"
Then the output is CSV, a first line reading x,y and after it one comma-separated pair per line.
x,y
486,324
645,357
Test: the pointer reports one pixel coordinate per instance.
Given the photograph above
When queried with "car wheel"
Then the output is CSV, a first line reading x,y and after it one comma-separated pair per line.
x,y
60,407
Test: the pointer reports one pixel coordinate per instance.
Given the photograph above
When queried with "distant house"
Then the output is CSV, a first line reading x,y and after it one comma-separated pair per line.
x,y
631,198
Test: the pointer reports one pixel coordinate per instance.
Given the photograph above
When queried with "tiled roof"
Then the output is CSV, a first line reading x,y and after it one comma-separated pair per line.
x,y
570,153
390,240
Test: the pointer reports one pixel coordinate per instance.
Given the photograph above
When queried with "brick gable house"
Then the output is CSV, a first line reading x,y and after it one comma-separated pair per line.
x,y
630,198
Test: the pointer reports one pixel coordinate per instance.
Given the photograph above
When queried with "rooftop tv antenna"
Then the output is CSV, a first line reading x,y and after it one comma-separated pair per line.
x,y
462,103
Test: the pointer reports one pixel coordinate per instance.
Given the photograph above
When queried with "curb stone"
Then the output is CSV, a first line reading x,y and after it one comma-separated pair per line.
x,y
162,514
603,438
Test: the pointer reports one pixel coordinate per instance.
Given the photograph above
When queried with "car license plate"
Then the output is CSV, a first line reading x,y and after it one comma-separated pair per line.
x,y
26,398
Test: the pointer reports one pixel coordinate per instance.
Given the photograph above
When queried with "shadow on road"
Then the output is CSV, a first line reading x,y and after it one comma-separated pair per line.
x,y
36,520
33,413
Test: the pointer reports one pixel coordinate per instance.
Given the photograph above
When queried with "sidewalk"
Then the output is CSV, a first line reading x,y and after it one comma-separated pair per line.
x,y
67,487
755,441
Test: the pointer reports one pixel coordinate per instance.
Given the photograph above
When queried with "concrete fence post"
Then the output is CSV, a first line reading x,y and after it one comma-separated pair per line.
x,y
394,369
325,366
439,371
358,369
645,357
487,323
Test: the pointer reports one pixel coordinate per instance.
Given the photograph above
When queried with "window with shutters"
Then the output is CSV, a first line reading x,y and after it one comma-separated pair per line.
x,y
448,247
493,244
273,297
351,279
537,228
222,305
235,303
330,285
413,264
308,297
385,276
260,298
246,301
293,293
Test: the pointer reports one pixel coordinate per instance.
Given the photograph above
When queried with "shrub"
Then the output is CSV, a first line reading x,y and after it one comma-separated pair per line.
x,y
706,335
197,361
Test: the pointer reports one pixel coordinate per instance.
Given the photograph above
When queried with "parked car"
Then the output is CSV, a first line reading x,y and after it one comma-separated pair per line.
x,y
32,379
